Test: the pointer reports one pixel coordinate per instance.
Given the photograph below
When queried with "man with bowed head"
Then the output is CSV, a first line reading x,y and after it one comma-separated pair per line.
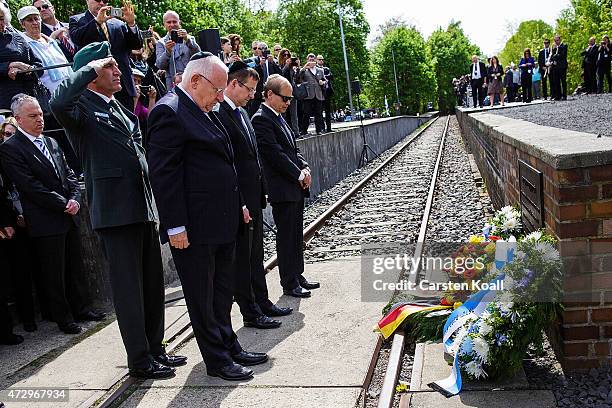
x,y
107,139
199,202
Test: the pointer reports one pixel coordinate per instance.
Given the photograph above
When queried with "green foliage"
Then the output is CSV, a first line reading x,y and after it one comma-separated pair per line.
x,y
415,71
306,26
451,53
530,34
581,20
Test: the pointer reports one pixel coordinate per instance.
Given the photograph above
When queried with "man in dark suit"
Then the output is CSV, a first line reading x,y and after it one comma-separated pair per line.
x,y
543,57
288,179
558,82
478,80
96,24
50,197
55,29
328,92
198,199
265,68
108,142
589,66
251,292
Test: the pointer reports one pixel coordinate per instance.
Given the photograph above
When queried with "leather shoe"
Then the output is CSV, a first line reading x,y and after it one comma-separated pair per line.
x,y
90,316
30,327
154,371
247,358
309,284
277,311
11,339
232,372
298,292
170,361
262,322
70,328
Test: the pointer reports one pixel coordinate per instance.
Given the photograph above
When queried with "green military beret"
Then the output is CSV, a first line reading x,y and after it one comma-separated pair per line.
x,y
91,52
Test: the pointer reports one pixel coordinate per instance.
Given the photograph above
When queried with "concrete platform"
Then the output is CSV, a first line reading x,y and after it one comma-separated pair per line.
x,y
318,357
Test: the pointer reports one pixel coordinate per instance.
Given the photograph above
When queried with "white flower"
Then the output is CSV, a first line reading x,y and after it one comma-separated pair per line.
x,y
485,328
507,211
481,348
510,223
549,252
535,236
505,306
474,369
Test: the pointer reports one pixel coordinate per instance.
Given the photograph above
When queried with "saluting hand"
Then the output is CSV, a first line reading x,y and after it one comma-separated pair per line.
x,y
99,65
180,240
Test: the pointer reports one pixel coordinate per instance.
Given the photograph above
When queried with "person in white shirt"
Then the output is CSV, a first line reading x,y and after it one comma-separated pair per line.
x,y
478,81
55,29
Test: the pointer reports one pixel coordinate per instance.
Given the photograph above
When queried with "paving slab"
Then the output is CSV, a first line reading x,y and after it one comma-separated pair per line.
x,y
318,357
485,399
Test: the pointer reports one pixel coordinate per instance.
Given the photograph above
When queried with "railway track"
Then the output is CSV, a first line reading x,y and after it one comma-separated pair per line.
x,y
386,206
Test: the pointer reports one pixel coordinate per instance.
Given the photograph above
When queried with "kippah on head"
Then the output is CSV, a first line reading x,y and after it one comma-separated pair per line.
x,y
200,55
91,52
237,66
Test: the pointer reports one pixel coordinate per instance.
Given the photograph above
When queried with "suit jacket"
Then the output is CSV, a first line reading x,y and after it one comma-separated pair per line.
x,y
312,83
542,60
329,90
246,156
192,171
559,58
589,56
483,71
273,68
84,30
7,213
281,157
47,31
107,140
43,192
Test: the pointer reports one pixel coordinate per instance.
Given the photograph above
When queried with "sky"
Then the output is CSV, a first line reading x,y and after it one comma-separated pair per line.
x,y
485,25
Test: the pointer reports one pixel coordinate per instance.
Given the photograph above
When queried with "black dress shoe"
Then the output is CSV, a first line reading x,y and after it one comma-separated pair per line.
x,y
70,328
232,372
309,284
262,322
299,292
154,371
170,361
247,358
277,311
90,316
11,339
30,327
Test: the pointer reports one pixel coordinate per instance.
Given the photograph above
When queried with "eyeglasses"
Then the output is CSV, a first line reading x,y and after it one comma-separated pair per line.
x,y
101,1
251,90
43,7
217,90
283,97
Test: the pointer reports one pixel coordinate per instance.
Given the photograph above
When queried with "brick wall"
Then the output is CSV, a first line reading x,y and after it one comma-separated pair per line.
x,y
578,211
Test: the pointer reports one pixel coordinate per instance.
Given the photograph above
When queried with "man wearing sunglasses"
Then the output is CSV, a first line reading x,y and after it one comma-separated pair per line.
x,y
288,181
97,25
55,29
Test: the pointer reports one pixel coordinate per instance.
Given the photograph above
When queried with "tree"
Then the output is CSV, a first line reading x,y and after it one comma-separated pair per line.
x,y
530,34
320,34
415,71
451,52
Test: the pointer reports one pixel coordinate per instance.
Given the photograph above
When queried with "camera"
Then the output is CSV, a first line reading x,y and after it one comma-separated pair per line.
x,y
116,12
145,89
294,62
146,34
266,53
175,37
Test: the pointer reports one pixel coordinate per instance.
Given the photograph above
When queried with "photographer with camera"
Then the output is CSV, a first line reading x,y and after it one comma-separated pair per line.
x,y
603,64
175,49
102,22
291,68
264,67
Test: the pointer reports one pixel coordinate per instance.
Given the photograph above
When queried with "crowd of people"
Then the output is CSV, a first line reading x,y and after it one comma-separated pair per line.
x,y
533,76
210,138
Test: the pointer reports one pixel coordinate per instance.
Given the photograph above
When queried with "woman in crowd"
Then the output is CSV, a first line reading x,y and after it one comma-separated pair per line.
x,y
495,73
235,41
7,129
16,58
527,65
45,48
145,94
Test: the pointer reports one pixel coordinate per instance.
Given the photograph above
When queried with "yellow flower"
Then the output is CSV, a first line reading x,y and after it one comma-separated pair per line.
x,y
476,239
457,305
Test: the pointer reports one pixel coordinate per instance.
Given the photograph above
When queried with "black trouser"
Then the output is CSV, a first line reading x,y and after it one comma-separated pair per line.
x,y
250,288
206,273
558,83
590,78
603,71
6,322
60,267
544,84
478,94
289,220
527,84
312,107
137,280
22,266
328,113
